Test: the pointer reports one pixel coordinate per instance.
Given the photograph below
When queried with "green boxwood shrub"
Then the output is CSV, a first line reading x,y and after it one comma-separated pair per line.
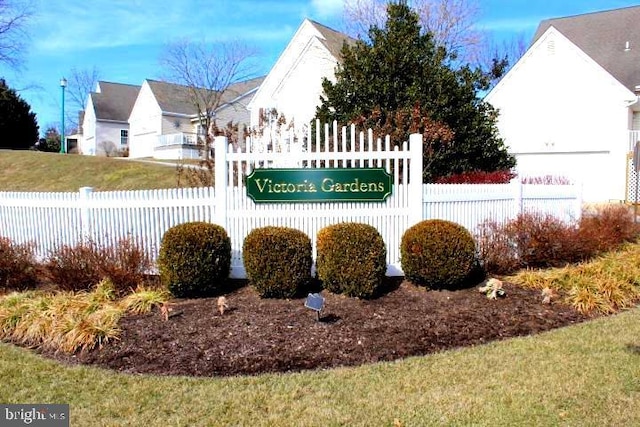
x,y
194,259
438,254
351,259
277,260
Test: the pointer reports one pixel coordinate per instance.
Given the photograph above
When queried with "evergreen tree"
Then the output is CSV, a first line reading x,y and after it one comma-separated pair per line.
x,y
50,142
18,126
402,82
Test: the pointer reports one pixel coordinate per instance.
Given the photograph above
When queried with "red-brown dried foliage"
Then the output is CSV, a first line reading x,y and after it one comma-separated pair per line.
x,y
529,241
80,267
606,228
539,241
18,267
478,177
416,119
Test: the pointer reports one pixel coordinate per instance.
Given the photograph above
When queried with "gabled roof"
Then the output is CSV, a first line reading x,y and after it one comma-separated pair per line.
x,y
240,89
333,40
329,38
611,38
114,101
177,99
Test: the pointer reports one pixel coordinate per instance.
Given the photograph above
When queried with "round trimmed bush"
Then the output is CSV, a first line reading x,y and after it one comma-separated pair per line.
x,y
194,259
438,254
351,259
277,260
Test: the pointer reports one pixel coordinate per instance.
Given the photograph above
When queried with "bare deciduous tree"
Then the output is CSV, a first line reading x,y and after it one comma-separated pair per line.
x,y
80,84
14,15
452,22
207,70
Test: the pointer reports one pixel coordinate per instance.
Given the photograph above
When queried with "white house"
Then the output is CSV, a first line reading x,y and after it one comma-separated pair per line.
x,y
569,107
105,123
164,123
294,84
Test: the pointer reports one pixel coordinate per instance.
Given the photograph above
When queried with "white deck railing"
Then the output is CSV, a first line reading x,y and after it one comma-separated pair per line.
x,y
177,139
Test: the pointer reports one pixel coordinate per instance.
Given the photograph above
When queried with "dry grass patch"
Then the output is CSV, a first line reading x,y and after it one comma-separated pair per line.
x,y
69,321
604,285
37,171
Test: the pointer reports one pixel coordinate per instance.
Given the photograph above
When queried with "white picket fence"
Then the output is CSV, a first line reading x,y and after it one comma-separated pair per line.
x,y
53,219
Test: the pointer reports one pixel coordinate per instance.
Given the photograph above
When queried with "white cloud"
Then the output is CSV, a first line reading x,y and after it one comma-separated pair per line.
x,y
104,23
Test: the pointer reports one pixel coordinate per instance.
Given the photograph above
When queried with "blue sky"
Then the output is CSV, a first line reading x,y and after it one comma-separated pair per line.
x,y
124,38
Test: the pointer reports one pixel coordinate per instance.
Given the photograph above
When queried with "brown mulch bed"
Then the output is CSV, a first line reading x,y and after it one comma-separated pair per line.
x,y
266,335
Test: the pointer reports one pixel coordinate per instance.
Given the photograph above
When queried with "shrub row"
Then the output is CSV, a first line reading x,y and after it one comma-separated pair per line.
x,y
195,257
351,258
73,267
540,241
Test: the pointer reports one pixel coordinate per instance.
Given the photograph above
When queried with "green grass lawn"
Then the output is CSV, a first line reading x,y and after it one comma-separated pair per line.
x,y
584,375
38,171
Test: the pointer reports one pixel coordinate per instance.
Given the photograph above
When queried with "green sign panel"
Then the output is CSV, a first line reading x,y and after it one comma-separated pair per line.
x,y
319,185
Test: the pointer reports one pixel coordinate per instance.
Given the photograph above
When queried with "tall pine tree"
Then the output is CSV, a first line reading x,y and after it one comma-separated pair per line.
x,y
401,82
18,126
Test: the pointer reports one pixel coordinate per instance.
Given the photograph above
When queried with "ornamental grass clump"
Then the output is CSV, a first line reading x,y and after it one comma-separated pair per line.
x,y
603,285
277,260
438,254
195,259
71,321
351,259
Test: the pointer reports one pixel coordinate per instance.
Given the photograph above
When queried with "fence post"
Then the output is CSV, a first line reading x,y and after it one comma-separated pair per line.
x,y
221,147
416,191
517,196
85,212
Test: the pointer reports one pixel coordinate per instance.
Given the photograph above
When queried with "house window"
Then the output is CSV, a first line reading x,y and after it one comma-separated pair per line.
x,y
124,137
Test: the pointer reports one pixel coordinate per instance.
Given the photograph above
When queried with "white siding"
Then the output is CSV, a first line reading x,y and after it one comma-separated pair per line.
x,y
145,123
88,145
635,123
236,112
108,137
175,124
294,84
562,114
298,95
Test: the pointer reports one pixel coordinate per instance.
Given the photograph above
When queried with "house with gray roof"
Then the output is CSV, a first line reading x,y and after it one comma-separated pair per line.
x,y
570,106
294,84
164,122
105,123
